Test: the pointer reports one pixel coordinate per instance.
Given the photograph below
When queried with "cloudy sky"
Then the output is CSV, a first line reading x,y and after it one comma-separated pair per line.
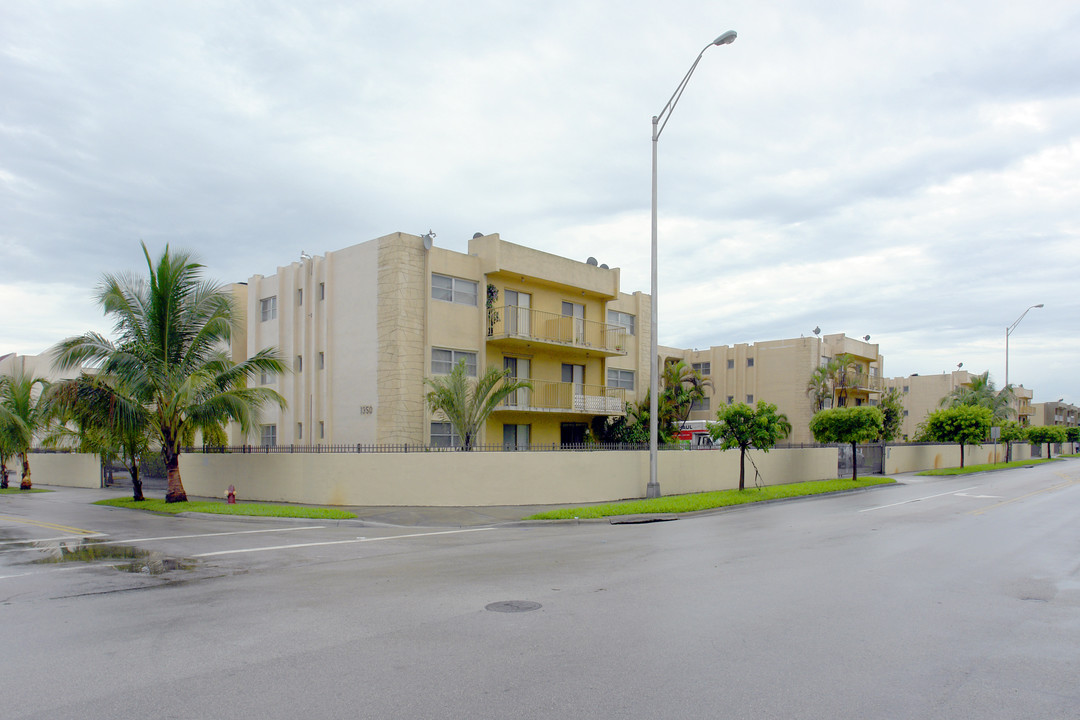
x,y
907,170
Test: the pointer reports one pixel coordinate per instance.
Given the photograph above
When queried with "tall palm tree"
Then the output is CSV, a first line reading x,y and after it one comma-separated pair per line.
x,y
174,328
980,392
467,403
25,399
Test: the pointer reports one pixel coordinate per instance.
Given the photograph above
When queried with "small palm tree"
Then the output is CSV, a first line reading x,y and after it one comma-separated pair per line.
x,y
13,435
683,386
467,403
980,392
25,400
173,330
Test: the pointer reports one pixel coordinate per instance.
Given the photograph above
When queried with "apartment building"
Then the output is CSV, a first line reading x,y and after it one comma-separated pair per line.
x,y
778,371
922,395
1058,413
363,327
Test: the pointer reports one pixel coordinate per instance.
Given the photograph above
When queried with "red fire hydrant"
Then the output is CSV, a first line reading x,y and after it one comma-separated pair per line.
x,y
231,495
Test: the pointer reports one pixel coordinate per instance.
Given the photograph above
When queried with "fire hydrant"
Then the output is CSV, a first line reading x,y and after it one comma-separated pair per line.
x,y
230,495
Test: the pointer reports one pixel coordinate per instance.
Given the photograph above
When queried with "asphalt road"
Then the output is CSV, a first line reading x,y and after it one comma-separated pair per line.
x,y
942,598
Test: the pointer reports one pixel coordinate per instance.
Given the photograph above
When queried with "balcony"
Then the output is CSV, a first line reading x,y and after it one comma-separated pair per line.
x,y
864,381
546,396
519,327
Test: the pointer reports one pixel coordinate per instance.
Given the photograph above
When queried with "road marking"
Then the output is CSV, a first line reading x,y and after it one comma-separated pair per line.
x,y
336,542
988,508
151,539
42,572
51,526
915,500
961,494
52,539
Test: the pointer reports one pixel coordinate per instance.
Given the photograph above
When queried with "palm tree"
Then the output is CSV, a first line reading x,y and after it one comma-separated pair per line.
x,y
819,386
832,378
683,386
26,406
980,392
110,421
174,328
13,435
467,404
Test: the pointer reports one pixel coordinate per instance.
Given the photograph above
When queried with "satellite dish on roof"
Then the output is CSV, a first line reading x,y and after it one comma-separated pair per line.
x,y
817,330
604,265
429,239
591,261
477,235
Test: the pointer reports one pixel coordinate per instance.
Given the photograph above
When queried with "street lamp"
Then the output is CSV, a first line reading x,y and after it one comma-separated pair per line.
x,y
1008,332
659,122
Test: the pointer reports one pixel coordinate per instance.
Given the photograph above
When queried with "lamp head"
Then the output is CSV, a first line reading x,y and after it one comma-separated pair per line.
x,y
727,38
1039,305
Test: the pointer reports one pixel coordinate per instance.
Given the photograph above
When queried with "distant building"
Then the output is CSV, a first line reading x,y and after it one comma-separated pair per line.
x,y
1057,413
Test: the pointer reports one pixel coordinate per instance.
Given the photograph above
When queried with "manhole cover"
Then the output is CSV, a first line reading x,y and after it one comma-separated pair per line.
x,y
513,606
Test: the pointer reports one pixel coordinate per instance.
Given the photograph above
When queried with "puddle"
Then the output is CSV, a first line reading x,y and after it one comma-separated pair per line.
x,y
92,551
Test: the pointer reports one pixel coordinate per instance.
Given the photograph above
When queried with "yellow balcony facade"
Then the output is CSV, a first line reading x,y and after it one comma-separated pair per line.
x,y
564,397
521,327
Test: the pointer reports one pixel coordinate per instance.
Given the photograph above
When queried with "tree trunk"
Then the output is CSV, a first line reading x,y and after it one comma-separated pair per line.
x,y
26,484
136,483
1008,451
175,491
854,464
3,475
1049,446
961,456
742,468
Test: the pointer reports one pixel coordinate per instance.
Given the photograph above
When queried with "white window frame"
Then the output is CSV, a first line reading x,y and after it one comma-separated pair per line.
x,y
623,320
454,290
268,435
442,434
703,368
440,366
268,308
619,378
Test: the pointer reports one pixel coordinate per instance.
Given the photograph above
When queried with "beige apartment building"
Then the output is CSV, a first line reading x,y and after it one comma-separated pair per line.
x,y
1058,413
363,327
778,371
922,395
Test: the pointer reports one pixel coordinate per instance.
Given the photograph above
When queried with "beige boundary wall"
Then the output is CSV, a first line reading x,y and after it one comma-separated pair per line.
x,y
66,469
498,478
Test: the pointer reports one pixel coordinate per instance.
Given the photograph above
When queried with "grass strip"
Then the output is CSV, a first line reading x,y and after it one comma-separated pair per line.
x,y
17,491
706,501
983,468
223,508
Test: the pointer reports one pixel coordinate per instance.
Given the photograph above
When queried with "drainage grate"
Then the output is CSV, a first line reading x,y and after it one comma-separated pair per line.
x,y
513,606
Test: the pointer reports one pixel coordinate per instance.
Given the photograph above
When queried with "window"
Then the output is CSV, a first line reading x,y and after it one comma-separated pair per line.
x,y
704,368
516,437
322,361
322,430
731,364
443,361
825,360
620,378
300,296
905,413
730,399
268,435
907,388
702,404
749,399
453,290
299,363
827,403
299,431
268,308
443,435
322,291
858,402
625,320
749,362
264,378
873,372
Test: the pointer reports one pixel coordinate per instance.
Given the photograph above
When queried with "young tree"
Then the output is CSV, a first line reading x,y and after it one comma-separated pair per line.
x,y
963,424
1011,431
1072,434
467,403
173,328
1048,434
13,435
25,400
892,410
854,425
741,426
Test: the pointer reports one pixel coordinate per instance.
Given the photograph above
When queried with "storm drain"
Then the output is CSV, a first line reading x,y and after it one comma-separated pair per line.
x,y
513,606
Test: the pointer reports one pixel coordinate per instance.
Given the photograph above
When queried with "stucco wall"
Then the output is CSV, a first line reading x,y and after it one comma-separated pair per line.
x,y
914,458
64,469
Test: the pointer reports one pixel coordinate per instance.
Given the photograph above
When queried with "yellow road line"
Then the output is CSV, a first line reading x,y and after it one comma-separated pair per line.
x,y
50,526
1052,488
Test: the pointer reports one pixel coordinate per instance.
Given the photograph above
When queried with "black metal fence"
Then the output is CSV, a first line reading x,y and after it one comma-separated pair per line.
x,y
416,448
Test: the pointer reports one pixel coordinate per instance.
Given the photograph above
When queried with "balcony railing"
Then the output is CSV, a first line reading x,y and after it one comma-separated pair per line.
x,y
864,381
524,323
546,396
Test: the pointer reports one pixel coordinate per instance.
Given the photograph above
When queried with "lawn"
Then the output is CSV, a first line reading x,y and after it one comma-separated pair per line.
x,y
15,490
706,501
223,508
985,467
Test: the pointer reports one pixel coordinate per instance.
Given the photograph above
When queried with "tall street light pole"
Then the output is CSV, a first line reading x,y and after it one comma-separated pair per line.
x,y
1008,332
659,122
